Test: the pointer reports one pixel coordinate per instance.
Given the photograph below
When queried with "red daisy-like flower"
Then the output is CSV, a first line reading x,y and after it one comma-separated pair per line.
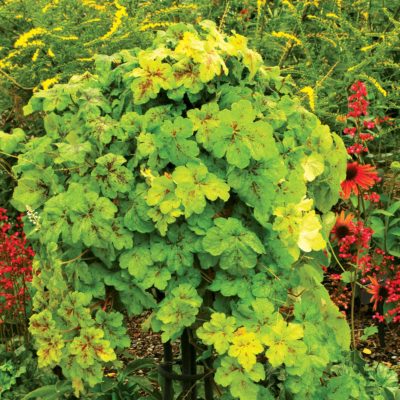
x,y
343,226
358,175
374,289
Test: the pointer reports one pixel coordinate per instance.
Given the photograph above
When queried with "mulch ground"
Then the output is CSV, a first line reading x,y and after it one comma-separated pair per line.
x,y
147,344
389,354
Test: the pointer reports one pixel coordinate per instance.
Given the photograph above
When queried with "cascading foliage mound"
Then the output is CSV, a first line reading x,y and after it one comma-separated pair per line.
x,y
186,179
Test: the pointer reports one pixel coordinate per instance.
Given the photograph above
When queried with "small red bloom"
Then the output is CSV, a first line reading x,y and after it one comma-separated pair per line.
x,y
366,137
369,124
358,176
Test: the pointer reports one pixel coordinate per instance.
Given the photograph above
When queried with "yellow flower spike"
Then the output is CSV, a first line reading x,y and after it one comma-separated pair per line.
x,y
154,25
50,53
375,83
366,48
332,15
46,84
35,55
24,39
260,5
309,91
49,5
117,21
94,5
287,36
289,5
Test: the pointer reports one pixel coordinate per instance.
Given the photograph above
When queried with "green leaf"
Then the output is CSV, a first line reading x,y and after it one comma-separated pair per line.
x,y
218,332
178,310
9,142
174,143
313,166
49,392
112,177
368,331
239,138
237,246
194,184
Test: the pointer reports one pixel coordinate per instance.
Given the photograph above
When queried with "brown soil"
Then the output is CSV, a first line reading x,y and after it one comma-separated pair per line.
x,y
147,344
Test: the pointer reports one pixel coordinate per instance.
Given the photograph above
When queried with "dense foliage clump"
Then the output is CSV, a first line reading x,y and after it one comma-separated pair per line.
x,y
186,179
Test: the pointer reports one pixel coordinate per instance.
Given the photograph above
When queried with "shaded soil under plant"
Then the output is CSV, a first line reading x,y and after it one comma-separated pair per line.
x,y
147,344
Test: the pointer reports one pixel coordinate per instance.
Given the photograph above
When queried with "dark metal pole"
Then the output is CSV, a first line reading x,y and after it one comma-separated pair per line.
x,y
193,369
168,390
208,379
186,352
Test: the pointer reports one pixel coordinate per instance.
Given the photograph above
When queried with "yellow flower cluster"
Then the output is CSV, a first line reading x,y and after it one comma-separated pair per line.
x,y
375,83
309,91
176,7
49,5
332,15
35,55
147,23
117,21
154,25
24,39
312,3
94,5
321,36
72,37
260,5
46,84
287,36
5,63
290,5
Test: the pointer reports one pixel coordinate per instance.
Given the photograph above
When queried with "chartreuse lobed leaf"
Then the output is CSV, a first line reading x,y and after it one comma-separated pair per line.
x,y
245,346
219,332
237,246
178,310
152,76
194,184
173,141
112,176
90,345
299,227
241,383
112,325
10,142
284,342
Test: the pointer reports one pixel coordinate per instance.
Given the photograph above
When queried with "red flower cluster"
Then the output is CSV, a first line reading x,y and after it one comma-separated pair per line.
x,y
393,297
357,101
378,270
353,238
15,268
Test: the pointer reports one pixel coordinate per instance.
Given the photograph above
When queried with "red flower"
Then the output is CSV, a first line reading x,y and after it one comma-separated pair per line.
x,y
369,124
358,175
374,289
343,226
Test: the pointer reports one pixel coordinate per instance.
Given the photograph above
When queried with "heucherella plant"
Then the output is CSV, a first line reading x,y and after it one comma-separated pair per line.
x,y
185,179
